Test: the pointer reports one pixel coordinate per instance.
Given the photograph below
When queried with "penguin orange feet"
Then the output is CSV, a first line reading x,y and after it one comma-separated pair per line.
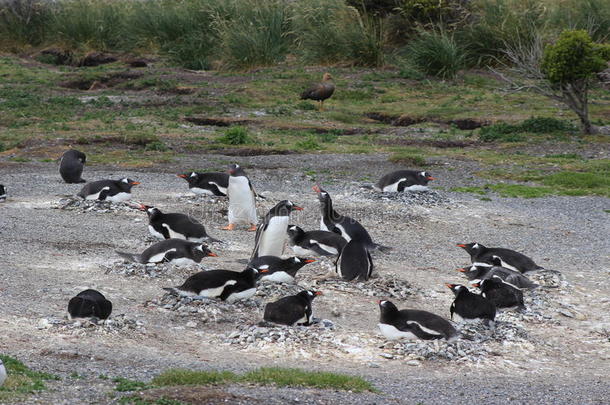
x,y
229,227
252,228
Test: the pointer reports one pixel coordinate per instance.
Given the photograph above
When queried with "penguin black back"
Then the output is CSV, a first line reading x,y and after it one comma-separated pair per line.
x,y
400,180
323,243
211,183
71,166
509,258
2,193
503,295
89,303
395,324
294,309
354,262
468,305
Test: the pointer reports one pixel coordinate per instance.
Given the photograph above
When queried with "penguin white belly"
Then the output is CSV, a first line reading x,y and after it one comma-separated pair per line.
x,y
215,292
154,233
242,295
120,197
2,373
183,261
392,333
201,191
323,226
331,250
299,251
392,188
273,238
242,208
303,320
159,256
96,195
279,277
416,187
344,234
173,234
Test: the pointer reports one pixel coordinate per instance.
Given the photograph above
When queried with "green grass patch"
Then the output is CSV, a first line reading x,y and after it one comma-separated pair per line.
x,y
21,380
236,136
309,144
408,158
470,189
575,183
191,377
504,132
124,384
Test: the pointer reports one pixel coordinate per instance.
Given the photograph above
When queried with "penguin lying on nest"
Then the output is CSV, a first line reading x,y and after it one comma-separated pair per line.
x,y
508,258
89,303
108,190
173,225
175,251
413,324
291,310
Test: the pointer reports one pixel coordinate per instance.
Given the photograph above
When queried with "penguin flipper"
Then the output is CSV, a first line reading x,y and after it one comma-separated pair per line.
x,y
257,239
130,256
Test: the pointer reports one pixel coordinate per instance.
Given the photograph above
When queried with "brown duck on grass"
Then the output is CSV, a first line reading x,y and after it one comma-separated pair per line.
x,y
320,91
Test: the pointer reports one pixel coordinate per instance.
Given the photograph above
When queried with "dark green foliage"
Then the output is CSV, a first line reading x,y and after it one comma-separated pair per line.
x,y
545,125
124,384
504,132
235,136
436,53
21,380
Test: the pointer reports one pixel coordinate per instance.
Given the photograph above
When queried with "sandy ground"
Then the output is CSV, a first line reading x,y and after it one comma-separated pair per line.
x,y
49,255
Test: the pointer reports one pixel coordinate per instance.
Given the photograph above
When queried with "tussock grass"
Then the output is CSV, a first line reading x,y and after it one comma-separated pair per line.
x,y
21,380
236,136
409,158
436,53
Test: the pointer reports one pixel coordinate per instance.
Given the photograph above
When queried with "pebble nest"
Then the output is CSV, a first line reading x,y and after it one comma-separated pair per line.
x,y
386,286
81,326
73,203
151,270
425,198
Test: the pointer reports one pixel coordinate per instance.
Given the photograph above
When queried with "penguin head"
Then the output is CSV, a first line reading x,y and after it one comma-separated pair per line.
x,y
294,231
471,248
310,294
204,249
322,194
386,308
496,260
487,283
285,207
236,170
103,309
150,210
300,262
188,176
126,183
456,288
425,177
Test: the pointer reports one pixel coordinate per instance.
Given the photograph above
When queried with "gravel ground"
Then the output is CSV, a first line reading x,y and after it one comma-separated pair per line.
x,y
559,352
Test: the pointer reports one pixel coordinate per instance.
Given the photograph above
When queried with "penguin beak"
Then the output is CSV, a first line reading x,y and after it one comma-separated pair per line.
x,y
450,285
476,284
297,208
309,261
430,178
135,183
463,270
182,176
212,254
319,293
461,245
264,271
317,189
143,207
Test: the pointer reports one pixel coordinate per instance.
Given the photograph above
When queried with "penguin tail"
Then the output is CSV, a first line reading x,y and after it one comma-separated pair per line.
x,y
367,186
266,324
172,290
381,248
129,256
453,338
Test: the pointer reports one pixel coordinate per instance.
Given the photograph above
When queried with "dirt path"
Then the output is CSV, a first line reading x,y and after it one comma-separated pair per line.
x,y
49,255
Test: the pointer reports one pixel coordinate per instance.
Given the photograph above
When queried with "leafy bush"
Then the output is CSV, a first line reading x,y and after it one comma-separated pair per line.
x,y
501,132
437,54
514,133
309,144
544,125
235,136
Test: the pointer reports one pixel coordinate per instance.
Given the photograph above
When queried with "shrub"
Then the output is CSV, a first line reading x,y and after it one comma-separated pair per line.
x,y
309,144
235,136
544,125
502,132
23,22
437,54
590,15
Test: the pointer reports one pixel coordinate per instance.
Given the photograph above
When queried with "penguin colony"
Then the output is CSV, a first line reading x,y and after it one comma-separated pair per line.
x,y
498,272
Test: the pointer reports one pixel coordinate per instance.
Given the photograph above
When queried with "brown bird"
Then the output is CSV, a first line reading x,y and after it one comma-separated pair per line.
x,y
320,91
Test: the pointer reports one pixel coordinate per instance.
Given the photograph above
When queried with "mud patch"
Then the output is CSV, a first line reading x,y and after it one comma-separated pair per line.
x,y
101,82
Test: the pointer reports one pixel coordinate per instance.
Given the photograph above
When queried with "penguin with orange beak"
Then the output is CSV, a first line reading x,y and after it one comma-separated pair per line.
x,y
271,233
279,270
108,190
210,183
401,180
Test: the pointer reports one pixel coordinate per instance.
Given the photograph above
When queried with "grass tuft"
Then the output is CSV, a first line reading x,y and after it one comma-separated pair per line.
x,y
235,136
292,377
21,381
124,384
191,377
436,54
408,158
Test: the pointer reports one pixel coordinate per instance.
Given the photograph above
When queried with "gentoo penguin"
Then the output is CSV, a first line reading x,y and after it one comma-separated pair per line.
x,y
89,303
482,271
354,262
277,269
175,251
508,258
501,293
242,206
271,233
2,373
468,305
291,310
345,226
2,193
71,166
173,225
227,285
413,324
108,190
212,183
401,180
321,243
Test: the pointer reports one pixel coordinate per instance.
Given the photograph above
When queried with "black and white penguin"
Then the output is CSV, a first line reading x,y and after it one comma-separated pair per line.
x,y
227,285
413,324
2,193
291,310
89,303
501,293
174,225
175,251
108,190
470,306
345,226
242,204
3,374
354,262
401,180
482,271
71,166
321,243
277,269
211,183
508,258
271,233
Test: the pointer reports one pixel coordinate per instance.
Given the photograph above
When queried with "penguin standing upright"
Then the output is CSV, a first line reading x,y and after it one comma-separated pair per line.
x,y
242,205
174,225
469,306
89,303
71,166
354,262
210,183
226,285
402,180
509,258
413,324
2,193
501,293
175,251
277,269
108,190
322,243
291,310
271,233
